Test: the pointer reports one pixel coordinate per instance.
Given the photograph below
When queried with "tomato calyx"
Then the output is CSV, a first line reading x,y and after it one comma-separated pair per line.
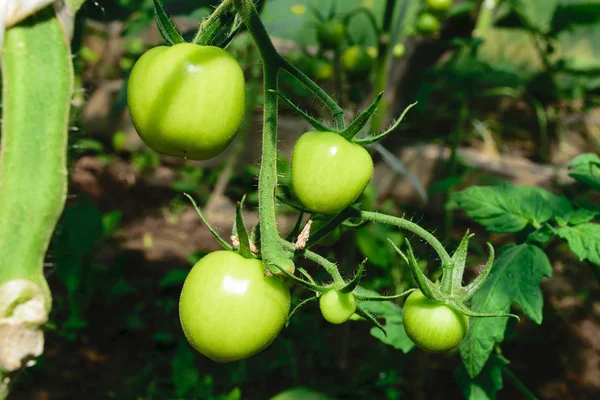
x,y
356,126
449,291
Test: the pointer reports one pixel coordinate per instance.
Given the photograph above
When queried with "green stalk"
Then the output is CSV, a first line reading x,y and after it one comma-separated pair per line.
x,y
37,83
412,227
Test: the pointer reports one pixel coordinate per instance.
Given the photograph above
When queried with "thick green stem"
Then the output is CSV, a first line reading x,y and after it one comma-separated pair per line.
x,y
37,83
412,227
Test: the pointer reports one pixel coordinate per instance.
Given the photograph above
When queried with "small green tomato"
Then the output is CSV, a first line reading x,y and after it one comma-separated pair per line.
x,y
433,327
337,307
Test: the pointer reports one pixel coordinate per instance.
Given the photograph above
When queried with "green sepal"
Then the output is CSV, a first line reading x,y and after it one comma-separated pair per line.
x,y
313,122
165,26
350,286
241,232
424,284
359,122
366,315
473,287
255,236
381,136
222,242
460,259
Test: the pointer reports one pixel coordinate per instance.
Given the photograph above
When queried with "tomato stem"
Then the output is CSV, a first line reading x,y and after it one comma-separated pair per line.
x,y
330,267
409,226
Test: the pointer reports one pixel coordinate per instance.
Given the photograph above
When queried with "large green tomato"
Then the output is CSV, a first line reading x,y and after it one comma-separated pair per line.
x,y
329,172
229,309
187,100
337,307
433,327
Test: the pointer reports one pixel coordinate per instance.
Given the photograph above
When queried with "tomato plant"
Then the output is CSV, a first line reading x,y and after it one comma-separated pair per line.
x,y
229,310
439,5
328,239
331,34
187,100
357,62
328,171
337,307
428,24
432,326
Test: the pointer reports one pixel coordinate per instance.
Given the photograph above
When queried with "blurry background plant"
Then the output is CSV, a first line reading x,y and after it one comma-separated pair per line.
x,y
507,91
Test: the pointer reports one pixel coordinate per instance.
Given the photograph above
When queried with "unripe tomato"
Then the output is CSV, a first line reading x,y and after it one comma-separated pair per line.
x,y
331,34
399,50
337,307
433,327
229,309
428,24
439,5
329,172
320,68
187,100
357,62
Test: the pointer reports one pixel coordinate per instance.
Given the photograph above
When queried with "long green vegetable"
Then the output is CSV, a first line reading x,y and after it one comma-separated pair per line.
x,y
37,80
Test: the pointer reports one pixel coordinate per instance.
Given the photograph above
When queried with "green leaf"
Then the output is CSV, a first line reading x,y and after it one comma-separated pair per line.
x,y
586,168
584,240
396,335
515,277
165,26
536,14
300,393
508,209
486,384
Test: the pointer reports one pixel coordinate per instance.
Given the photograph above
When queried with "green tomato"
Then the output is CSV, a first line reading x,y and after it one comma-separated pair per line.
x,y
187,100
229,310
439,5
329,172
320,68
428,24
337,307
433,327
399,50
331,34
357,62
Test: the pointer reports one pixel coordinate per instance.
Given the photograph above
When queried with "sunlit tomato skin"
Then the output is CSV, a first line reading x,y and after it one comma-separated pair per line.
x,y
331,34
187,100
357,62
439,5
229,310
433,327
428,24
328,171
337,307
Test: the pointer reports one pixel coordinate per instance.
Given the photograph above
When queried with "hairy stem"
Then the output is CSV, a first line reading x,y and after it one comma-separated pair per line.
x,y
412,227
